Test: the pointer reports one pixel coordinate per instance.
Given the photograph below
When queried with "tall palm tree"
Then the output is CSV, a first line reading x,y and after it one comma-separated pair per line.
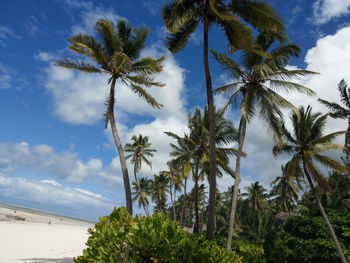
x,y
142,189
175,184
181,18
255,90
117,53
307,143
139,150
256,196
159,190
286,189
338,111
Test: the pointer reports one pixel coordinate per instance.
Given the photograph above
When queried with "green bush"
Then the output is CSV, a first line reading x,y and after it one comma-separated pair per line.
x,y
121,238
307,237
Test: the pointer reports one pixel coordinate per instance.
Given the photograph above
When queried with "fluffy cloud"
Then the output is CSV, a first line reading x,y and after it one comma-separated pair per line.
x,y
77,202
325,10
66,166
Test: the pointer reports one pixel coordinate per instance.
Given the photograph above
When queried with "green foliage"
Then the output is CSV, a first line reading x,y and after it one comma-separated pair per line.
x,y
121,238
307,238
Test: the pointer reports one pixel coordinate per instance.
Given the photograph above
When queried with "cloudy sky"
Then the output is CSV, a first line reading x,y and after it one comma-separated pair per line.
x,y
54,152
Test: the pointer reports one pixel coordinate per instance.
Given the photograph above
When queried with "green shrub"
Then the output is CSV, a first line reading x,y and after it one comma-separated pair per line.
x,y
307,237
121,238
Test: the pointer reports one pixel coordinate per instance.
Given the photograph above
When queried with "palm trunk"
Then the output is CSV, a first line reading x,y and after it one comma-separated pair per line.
x,y
212,158
196,226
183,203
242,131
347,141
174,210
121,154
172,200
140,193
330,228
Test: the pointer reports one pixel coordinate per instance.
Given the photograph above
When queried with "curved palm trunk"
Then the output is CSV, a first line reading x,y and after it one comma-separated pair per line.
x,y
183,203
242,131
330,228
140,193
196,226
212,158
126,180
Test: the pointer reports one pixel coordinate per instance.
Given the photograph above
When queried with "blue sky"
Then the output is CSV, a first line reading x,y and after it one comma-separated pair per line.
x,y
54,152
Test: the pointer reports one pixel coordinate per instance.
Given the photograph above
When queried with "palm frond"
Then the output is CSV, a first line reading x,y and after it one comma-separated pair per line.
x,y
145,95
176,42
228,64
148,65
78,65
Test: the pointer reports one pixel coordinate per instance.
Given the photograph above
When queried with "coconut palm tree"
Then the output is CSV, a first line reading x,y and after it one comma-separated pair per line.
x,y
174,185
141,191
139,150
286,189
255,91
307,143
256,196
338,111
116,52
181,18
159,190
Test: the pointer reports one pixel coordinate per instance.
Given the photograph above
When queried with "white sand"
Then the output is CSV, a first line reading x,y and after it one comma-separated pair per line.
x,y
36,241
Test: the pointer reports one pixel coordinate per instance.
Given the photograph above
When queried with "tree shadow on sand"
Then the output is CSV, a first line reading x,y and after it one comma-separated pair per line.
x,y
47,260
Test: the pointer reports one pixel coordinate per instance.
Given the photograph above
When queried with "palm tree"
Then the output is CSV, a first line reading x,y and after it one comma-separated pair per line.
x,y
307,144
197,149
159,190
286,189
141,190
117,54
337,111
175,184
257,196
181,18
258,81
139,150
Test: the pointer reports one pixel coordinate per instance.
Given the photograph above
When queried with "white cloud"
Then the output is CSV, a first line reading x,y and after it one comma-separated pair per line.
x,y
86,192
326,10
52,182
43,149
65,166
50,192
44,56
6,32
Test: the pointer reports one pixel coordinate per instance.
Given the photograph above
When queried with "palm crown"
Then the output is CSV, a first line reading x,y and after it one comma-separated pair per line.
x,y
117,54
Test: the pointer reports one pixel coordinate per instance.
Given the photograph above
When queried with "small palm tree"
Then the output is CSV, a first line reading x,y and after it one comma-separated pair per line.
x,y
142,189
139,150
256,92
286,189
338,111
117,53
181,18
159,190
256,196
307,144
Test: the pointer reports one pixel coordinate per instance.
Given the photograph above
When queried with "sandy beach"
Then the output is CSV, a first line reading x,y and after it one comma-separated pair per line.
x,y
32,237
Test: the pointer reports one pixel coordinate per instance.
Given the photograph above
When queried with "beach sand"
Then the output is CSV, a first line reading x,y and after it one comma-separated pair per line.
x,y
40,238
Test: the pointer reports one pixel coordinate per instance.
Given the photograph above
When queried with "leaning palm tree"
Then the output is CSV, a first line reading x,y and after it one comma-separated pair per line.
x,y
117,53
139,150
181,18
286,188
255,91
307,143
338,111
142,189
